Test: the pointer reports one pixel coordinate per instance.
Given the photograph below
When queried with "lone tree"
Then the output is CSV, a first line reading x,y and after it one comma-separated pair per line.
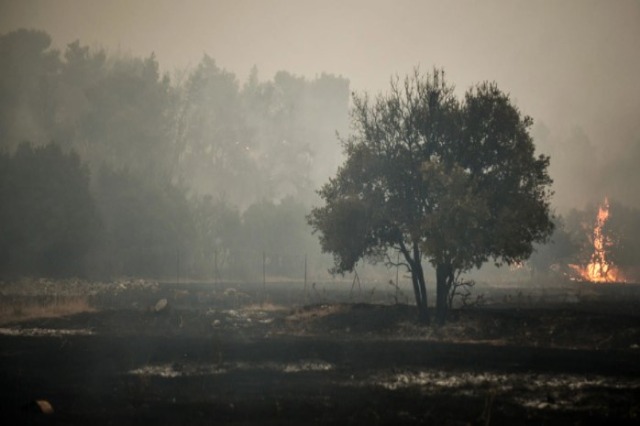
x,y
455,182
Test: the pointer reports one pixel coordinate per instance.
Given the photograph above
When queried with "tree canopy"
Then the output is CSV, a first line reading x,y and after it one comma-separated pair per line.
x,y
171,163
454,181
48,218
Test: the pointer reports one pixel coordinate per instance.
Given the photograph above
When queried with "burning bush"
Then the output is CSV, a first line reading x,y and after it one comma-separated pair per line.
x,y
606,237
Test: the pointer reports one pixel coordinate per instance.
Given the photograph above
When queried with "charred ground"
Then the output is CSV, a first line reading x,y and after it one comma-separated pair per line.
x,y
230,355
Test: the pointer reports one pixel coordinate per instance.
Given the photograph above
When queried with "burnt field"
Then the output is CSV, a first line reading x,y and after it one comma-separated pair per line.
x,y
144,353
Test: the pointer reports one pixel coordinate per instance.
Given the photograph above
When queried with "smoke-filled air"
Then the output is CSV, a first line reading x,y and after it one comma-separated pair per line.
x,y
219,111
312,170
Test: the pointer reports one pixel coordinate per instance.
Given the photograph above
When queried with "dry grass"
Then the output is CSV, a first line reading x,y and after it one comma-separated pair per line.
x,y
17,310
266,307
316,312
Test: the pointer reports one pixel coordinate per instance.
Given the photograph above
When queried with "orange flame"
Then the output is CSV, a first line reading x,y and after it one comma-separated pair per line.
x,y
600,270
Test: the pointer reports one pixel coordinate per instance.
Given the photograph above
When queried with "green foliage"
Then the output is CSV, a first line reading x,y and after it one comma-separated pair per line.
x,y
262,140
345,227
147,223
173,163
28,73
498,153
128,118
279,231
217,229
48,220
452,181
454,230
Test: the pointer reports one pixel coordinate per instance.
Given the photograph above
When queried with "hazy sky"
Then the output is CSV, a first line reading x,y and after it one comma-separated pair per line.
x,y
566,63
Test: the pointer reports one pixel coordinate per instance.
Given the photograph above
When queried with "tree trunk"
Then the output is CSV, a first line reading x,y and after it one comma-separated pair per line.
x,y
423,313
444,280
417,278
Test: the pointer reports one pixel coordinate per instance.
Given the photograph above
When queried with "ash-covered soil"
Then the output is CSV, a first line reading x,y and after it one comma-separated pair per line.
x,y
152,354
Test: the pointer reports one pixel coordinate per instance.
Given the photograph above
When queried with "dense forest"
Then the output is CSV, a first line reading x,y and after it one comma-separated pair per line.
x,y
109,167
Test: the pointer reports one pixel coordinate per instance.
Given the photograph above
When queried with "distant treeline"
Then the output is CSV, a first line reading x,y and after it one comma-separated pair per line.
x,y
110,168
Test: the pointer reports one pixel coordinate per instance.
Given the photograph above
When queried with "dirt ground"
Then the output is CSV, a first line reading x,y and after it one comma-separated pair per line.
x,y
153,354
